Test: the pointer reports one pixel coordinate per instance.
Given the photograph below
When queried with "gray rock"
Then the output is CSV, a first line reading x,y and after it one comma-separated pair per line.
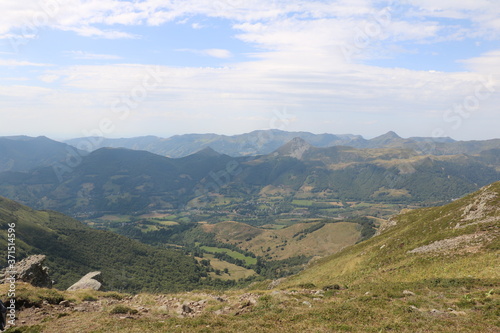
x,y
413,308
89,281
275,283
186,308
30,270
408,293
436,312
66,303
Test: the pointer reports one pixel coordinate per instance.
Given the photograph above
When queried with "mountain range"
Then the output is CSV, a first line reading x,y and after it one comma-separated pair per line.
x,y
118,180
266,141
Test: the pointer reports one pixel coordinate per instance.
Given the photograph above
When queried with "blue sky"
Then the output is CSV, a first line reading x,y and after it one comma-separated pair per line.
x,y
69,68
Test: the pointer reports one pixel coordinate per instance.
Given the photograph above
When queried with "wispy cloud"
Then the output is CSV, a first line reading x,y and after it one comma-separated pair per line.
x,y
17,63
296,60
92,56
216,53
197,26
91,31
90,18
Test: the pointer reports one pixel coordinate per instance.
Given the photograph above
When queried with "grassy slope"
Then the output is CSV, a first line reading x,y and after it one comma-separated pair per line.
x,y
456,290
235,272
327,240
74,249
385,258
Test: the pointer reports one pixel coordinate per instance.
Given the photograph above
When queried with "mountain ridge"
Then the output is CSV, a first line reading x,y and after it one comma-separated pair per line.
x,y
24,153
263,142
127,181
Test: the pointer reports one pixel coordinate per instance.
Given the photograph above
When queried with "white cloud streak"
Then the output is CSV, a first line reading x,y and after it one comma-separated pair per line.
x,y
216,53
91,56
20,63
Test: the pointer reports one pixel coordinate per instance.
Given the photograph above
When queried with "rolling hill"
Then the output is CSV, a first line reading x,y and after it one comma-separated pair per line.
x,y
306,239
449,243
73,250
24,153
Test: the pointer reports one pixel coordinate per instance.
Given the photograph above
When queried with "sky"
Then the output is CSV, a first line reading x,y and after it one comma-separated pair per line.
x,y
74,68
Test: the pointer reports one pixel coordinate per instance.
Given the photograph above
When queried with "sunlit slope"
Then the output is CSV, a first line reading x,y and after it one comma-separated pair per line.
x,y
455,241
73,249
308,239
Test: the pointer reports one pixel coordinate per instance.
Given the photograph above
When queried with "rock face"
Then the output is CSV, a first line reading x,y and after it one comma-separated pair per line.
x,y
89,281
295,148
30,270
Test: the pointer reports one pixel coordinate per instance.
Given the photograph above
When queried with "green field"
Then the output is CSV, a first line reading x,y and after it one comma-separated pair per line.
x,y
234,272
301,202
234,254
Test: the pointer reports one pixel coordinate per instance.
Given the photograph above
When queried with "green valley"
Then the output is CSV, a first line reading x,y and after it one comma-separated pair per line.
x,y
427,270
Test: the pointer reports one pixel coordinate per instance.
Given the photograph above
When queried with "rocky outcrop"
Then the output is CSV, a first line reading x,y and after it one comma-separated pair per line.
x,y
30,270
461,244
295,148
90,281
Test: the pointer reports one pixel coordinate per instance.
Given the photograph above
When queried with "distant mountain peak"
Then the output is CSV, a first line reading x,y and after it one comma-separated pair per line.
x,y
391,134
295,148
208,151
386,138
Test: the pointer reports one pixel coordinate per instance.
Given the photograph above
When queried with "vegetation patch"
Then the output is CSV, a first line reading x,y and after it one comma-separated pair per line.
x,y
122,309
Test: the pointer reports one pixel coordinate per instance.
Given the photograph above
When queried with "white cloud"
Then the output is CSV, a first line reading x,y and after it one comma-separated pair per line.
x,y
49,78
487,63
91,56
86,18
24,91
90,31
298,61
17,63
197,26
216,53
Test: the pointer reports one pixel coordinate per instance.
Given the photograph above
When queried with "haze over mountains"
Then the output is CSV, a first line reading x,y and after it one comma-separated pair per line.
x,y
23,153
124,180
267,141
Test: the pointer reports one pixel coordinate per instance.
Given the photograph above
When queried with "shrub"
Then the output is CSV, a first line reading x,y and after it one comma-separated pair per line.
x,y
307,286
89,298
122,309
115,295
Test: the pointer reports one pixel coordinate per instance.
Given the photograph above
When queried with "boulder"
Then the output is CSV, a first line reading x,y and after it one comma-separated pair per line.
x,y
408,293
89,281
30,270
